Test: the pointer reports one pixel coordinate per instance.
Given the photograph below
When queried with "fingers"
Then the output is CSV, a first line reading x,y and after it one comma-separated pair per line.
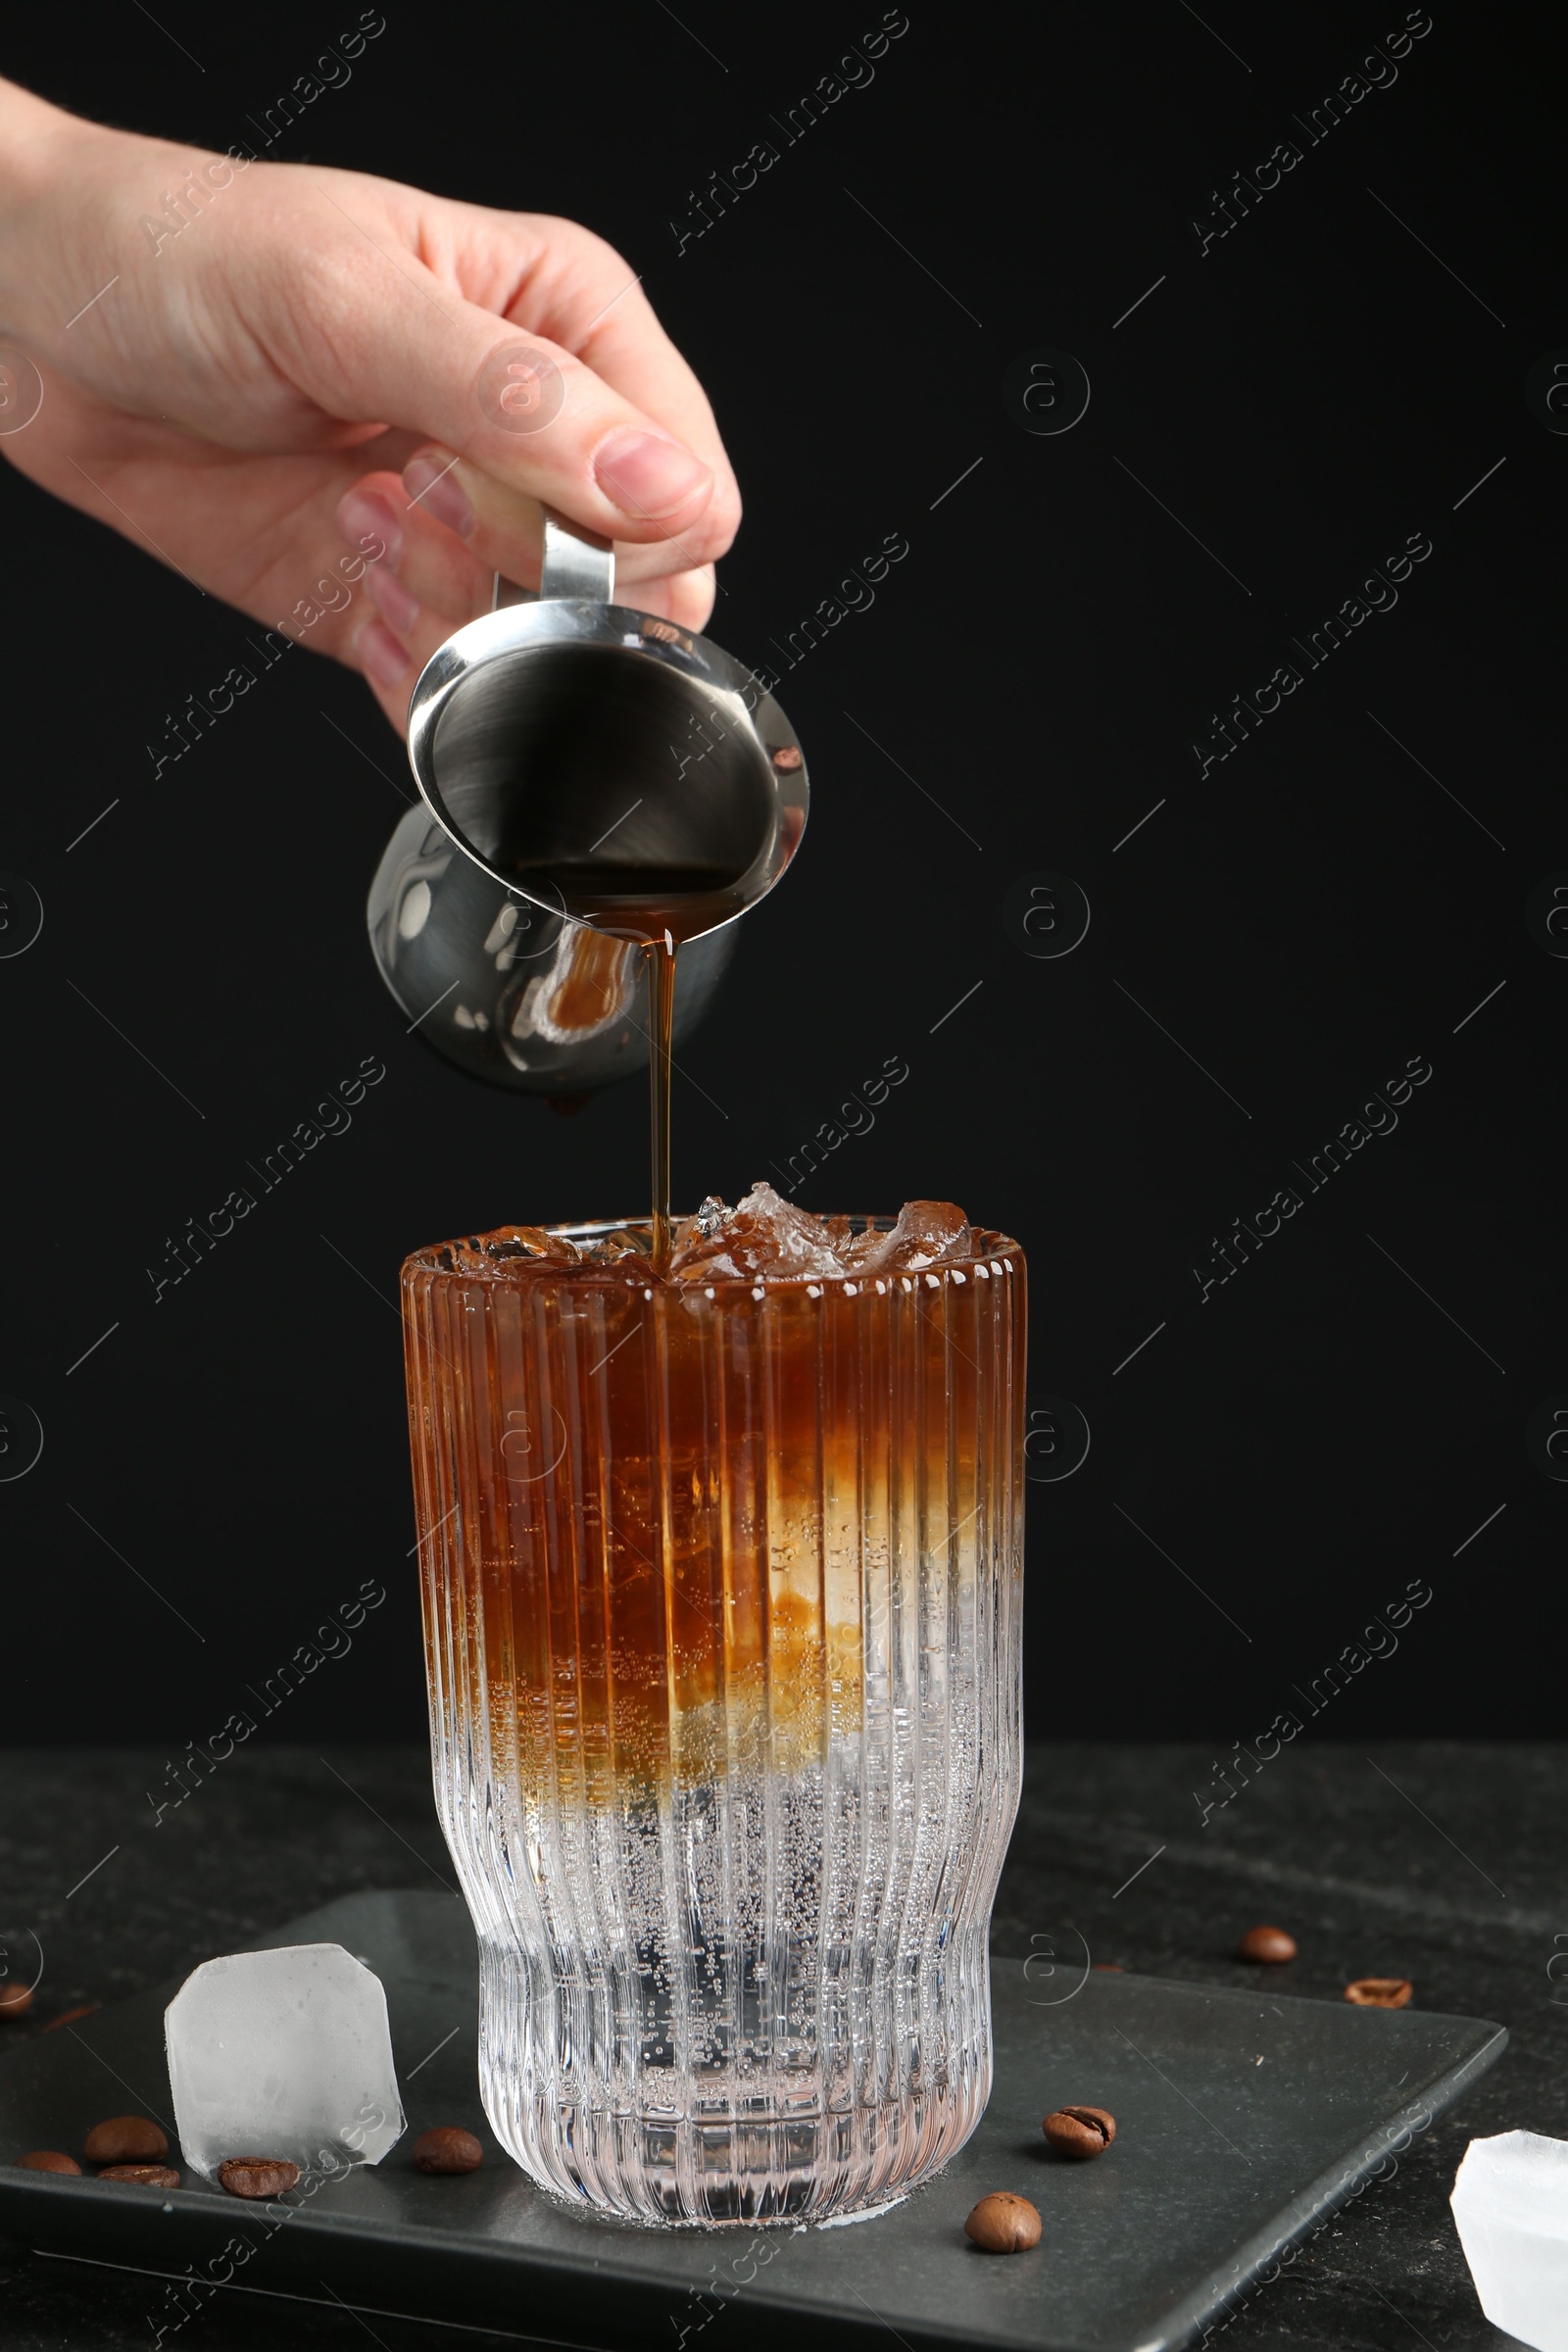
x,y
590,300
425,563
376,663
585,295
520,406
502,520
430,581
394,640
502,526
389,651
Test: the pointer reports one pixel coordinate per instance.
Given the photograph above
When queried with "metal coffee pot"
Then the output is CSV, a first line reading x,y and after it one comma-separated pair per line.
x,y
575,760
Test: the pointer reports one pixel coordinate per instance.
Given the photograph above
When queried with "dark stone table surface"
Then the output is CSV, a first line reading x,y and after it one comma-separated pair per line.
x,y
1437,1861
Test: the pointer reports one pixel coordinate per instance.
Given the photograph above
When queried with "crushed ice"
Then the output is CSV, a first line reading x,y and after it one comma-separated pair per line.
x,y
767,1235
762,1234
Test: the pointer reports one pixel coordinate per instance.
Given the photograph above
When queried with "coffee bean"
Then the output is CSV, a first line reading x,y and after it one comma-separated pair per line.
x,y
1380,1992
124,2139
13,1999
1080,2130
447,2150
49,2160
258,2175
142,2175
1269,1944
1003,2224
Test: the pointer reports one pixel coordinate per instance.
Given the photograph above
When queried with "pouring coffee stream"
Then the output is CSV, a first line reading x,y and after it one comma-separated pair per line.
x,y
614,775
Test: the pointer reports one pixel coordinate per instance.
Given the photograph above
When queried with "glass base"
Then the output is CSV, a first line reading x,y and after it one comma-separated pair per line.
x,y
792,2144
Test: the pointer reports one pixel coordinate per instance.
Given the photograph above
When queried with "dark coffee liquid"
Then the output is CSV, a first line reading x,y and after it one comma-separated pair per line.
x,y
593,882
658,906
660,958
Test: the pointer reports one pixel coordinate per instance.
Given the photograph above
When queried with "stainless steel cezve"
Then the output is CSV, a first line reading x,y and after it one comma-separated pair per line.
x,y
564,735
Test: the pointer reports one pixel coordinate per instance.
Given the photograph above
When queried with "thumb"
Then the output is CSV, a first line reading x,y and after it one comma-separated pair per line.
x,y
523,408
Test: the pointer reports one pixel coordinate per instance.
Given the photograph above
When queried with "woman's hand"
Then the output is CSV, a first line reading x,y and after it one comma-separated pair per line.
x,y
248,368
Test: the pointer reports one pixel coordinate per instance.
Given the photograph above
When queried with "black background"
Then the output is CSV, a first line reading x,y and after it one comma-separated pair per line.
x,y
1304,919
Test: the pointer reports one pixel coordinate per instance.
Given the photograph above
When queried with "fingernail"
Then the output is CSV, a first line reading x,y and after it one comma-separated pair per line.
x,y
642,474
431,483
379,654
390,596
366,515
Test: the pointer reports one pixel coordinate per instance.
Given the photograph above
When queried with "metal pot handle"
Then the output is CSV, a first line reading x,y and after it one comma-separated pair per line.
x,y
577,564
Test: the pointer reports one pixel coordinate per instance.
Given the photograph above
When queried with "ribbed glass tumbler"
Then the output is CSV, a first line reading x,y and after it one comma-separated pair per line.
x,y
722,1588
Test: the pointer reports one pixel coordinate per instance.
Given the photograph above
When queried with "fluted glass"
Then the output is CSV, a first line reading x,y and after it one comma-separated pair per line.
x,y
722,1588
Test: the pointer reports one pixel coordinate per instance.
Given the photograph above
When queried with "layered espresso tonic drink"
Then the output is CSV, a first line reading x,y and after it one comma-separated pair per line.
x,y
721,1573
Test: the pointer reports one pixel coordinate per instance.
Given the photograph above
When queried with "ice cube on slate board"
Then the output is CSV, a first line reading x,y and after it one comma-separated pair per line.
x,y
1511,2207
283,2053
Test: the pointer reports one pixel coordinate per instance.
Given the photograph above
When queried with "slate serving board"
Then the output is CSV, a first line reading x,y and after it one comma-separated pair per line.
x,y
1242,2118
